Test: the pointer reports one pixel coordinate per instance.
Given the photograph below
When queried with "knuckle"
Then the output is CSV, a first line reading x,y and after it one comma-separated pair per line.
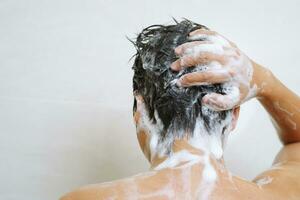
x,y
185,79
188,60
182,61
188,78
196,31
237,51
206,76
178,50
213,33
203,58
185,49
232,73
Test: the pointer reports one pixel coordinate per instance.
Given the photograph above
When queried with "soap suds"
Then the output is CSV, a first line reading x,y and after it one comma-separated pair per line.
x,y
238,66
264,181
277,166
211,143
174,112
209,48
293,124
151,129
186,175
209,177
176,158
279,107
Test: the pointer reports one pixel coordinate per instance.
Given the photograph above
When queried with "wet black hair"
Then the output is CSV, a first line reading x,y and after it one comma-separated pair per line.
x,y
153,79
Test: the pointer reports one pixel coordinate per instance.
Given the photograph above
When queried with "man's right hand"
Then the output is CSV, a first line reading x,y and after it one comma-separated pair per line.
x,y
221,62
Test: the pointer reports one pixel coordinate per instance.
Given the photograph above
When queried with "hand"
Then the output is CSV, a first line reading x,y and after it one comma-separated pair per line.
x,y
218,61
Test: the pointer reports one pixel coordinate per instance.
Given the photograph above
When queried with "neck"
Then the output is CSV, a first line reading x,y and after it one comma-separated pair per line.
x,y
159,148
183,152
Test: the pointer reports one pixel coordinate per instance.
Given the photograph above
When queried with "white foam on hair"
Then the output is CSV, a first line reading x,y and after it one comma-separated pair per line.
x,y
211,142
148,60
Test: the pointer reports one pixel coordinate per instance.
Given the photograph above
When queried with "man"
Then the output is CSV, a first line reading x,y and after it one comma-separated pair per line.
x,y
188,85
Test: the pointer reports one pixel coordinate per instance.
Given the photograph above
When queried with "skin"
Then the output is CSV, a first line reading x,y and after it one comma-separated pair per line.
x,y
281,181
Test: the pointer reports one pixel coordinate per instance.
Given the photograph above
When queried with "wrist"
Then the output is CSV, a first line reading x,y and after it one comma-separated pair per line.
x,y
263,79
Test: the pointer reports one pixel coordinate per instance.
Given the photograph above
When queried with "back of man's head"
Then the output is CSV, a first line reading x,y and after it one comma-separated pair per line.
x,y
178,109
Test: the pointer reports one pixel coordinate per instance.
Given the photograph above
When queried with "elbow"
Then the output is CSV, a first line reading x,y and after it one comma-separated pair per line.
x,y
290,138
66,197
75,195
83,193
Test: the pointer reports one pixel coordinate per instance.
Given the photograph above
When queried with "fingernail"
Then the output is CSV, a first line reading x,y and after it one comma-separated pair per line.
x,y
191,36
139,99
192,33
207,100
204,100
178,83
183,62
177,50
174,66
181,82
209,104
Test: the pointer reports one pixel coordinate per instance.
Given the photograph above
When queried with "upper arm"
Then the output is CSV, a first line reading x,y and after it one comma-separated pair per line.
x,y
96,191
290,152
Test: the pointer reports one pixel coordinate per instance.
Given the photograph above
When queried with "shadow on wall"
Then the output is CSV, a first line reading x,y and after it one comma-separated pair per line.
x,y
64,145
103,147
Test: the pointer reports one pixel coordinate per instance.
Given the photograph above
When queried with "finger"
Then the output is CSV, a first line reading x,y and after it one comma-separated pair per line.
x,y
221,102
176,66
205,35
202,32
201,59
181,49
139,107
208,47
204,78
212,36
139,102
244,92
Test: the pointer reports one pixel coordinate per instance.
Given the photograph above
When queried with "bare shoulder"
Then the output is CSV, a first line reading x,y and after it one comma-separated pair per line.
x,y
283,178
146,184
94,191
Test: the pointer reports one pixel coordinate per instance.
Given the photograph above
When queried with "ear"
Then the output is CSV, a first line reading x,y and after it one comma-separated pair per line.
x,y
142,134
139,106
235,116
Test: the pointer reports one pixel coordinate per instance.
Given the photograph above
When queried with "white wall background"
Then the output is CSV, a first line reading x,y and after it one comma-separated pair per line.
x,y
65,86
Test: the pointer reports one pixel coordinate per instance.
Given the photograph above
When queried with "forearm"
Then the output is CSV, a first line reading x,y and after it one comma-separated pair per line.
x,y
281,103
